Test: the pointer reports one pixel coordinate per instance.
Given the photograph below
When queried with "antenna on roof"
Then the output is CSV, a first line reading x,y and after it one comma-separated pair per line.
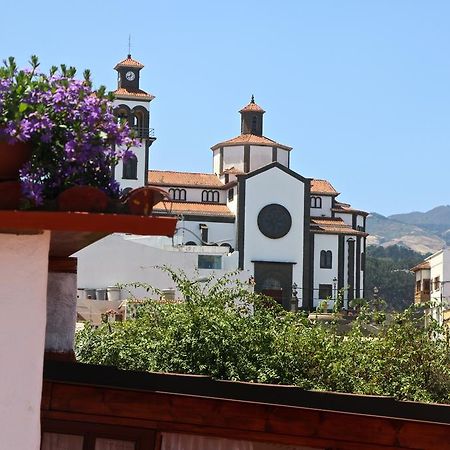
x,y
129,46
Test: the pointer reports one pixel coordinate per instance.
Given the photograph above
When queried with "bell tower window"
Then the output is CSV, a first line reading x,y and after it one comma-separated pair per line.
x,y
130,168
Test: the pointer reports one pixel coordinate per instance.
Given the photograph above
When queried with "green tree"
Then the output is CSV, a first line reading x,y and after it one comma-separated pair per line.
x,y
226,331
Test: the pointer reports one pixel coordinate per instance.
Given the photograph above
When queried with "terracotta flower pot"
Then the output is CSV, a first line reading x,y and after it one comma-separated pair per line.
x,y
10,194
142,200
83,198
12,158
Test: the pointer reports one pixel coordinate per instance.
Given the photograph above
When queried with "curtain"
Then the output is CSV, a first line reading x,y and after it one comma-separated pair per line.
x,y
172,441
113,444
56,441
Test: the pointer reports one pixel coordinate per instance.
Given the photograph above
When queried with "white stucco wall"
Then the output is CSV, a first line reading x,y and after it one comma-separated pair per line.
x,y
324,276
360,220
347,218
218,232
61,312
195,194
326,206
23,281
274,186
233,204
216,161
259,156
99,265
141,170
233,157
283,157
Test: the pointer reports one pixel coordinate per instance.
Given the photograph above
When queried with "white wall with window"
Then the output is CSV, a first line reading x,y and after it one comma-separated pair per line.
x,y
219,233
321,205
325,251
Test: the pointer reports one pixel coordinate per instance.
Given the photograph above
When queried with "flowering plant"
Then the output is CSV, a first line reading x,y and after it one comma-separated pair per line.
x,y
75,138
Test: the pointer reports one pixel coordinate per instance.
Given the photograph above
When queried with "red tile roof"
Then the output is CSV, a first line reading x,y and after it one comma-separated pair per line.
x,y
233,171
134,94
193,208
323,187
188,179
251,139
422,266
347,209
129,62
252,107
333,225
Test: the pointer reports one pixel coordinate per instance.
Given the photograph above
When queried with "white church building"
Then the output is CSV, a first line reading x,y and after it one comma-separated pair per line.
x,y
252,213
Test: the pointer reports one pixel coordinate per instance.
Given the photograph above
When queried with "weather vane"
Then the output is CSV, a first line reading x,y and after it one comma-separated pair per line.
x,y
129,44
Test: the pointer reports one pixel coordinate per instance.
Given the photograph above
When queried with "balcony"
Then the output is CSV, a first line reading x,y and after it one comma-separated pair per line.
x,y
144,133
421,297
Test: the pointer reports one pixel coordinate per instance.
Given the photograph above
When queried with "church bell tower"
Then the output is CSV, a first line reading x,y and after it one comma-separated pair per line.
x,y
132,104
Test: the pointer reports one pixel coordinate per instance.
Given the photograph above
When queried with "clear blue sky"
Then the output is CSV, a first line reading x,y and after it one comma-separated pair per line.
x,y
360,89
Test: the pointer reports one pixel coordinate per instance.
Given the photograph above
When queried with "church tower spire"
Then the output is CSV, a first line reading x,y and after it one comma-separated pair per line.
x,y
252,118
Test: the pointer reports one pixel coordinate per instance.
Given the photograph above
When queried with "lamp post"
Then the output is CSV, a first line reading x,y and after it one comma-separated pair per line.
x,y
375,292
294,299
334,288
351,270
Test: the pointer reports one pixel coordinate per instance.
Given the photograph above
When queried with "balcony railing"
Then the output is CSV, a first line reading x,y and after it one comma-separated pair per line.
x,y
421,297
144,133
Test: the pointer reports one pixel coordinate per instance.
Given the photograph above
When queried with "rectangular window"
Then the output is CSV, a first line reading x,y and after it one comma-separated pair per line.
x,y
325,291
417,286
437,284
231,195
426,286
209,261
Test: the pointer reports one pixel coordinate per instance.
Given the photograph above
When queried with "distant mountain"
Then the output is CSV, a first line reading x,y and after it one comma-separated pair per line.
x,y
396,230
436,221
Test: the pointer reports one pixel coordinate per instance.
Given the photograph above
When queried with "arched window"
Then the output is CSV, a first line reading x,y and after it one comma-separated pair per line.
x,y
210,196
130,166
190,243
326,259
177,194
316,202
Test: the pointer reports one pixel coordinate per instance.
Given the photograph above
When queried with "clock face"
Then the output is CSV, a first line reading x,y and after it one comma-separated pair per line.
x,y
130,76
274,221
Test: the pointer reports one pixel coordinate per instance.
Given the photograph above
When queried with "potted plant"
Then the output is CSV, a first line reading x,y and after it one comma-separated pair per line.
x,y
74,137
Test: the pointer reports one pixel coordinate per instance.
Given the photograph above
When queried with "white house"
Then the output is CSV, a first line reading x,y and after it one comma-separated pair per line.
x,y
433,284
252,213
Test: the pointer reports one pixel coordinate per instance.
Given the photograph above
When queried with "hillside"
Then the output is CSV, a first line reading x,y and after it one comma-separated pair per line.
x,y
388,268
436,221
401,230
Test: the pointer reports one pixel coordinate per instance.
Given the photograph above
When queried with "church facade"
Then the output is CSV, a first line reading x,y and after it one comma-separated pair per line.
x,y
287,231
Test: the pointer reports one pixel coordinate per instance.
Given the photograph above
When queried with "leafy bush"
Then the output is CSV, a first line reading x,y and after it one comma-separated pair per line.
x,y
225,331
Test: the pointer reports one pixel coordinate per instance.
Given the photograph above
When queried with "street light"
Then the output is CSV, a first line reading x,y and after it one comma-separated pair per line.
x,y
375,292
294,299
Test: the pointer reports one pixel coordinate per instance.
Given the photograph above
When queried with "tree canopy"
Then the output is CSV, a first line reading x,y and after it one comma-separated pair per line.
x,y
224,330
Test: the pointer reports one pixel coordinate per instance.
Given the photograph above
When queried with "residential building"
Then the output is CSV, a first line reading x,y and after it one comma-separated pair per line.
x,y
433,285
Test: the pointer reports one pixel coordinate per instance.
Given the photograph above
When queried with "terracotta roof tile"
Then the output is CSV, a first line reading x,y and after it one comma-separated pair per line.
x,y
422,266
188,179
323,187
129,62
243,139
132,93
193,208
333,225
252,107
233,171
346,208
